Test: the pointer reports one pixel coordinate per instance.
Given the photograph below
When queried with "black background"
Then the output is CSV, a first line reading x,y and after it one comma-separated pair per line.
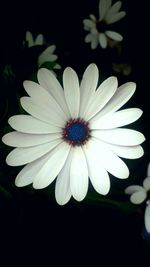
x,y
31,222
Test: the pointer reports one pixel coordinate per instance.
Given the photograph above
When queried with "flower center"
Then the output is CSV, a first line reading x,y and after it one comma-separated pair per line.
x,y
76,132
101,26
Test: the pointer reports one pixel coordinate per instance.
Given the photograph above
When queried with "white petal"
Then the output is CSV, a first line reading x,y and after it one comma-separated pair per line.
x,y
71,91
39,39
114,9
92,17
46,56
62,187
114,36
88,38
94,42
52,101
148,170
122,95
28,124
17,139
109,160
57,66
20,156
104,6
138,197
128,152
47,113
48,81
78,174
103,40
146,183
120,136
117,119
29,39
115,17
102,95
147,218
89,23
52,167
28,173
98,175
87,87
133,188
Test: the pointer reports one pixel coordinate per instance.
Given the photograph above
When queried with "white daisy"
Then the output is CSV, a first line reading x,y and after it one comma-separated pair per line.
x,y
39,40
139,194
99,28
73,134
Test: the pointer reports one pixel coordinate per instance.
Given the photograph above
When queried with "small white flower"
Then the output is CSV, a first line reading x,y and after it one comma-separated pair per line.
x,y
48,56
139,194
99,28
73,134
39,40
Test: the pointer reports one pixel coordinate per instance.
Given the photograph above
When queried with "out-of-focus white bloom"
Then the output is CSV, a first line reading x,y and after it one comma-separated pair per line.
x,y
48,56
39,40
73,134
139,194
99,28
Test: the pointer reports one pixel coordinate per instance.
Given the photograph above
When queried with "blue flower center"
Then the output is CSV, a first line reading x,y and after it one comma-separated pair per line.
x,y
76,132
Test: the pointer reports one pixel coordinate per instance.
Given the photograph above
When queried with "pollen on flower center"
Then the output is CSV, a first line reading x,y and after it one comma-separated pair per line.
x,y
76,132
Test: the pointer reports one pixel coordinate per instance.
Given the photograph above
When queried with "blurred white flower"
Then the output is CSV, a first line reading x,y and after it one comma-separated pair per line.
x,y
139,194
73,134
99,28
39,40
48,56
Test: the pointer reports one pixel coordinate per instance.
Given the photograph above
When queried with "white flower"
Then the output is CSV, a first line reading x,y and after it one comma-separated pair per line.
x,y
39,40
99,28
48,56
139,194
73,134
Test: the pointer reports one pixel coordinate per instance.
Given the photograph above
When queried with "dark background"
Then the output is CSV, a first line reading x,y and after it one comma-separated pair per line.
x,y
31,221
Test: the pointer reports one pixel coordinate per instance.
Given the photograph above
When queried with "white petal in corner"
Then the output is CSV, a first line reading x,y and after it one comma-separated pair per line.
x,y
128,152
20,156
120,136
122,95
87,87
98,175
78,174
62,186
71,91
147,218
28,173
103,40
146,183
39,39
104,6
138,197
51,114
117,119
52,167
116,17
49,82
28,124
102,95
114,36
109,160
133,188
17,139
